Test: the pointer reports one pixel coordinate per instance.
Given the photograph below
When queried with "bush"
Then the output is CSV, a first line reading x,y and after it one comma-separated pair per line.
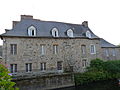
x,y
99,70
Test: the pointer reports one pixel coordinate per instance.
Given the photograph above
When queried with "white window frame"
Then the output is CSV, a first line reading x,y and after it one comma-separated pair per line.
x,y
84,62
42,48
88,34
55,49
13,48
94,49
55,32
70,32
43,66
107,52
30,30
83,49
28,67
113,52
14,68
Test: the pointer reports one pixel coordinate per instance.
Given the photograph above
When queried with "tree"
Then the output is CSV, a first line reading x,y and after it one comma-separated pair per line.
x,y
5,79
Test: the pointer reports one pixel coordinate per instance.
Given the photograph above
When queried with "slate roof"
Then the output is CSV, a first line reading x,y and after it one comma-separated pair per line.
x,y
44,29
106,44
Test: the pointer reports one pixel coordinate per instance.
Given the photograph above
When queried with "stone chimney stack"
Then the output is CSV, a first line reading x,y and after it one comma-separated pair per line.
x,y
26,17
85,23
14,23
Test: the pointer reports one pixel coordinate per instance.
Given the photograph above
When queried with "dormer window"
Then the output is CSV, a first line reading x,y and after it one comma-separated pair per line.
x,y
88,34
55,32
32,31
70,33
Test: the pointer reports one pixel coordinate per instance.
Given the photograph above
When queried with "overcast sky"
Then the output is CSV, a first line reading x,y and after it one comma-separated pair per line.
x,y
103,16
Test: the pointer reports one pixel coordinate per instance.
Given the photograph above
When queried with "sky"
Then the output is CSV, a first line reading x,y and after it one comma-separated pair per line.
x,y
103,16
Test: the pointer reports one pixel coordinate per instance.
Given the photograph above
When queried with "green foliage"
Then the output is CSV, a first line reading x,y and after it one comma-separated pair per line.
x,y
5,79
99,70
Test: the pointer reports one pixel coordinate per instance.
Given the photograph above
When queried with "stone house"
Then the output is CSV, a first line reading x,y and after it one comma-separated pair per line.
x,y
34,45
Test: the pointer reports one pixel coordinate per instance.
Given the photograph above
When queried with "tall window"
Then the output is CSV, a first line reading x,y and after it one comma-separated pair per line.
x,y
55,32
28,67
88,34
92,49
43,66
13,68
59,65
113,52
13,48
42,49
55,49
70,33
84,63
107,52
32,31
83,49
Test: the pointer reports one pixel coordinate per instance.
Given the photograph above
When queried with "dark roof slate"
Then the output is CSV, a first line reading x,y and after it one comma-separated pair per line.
x,y
105,43
44,28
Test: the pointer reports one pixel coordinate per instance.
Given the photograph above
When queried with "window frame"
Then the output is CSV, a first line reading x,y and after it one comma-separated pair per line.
x,y
13,68
28,67
92,51
13,49
60,66
55,32
55,48
70,33
31,29
43,66
83,49
84,62
42,49
88,34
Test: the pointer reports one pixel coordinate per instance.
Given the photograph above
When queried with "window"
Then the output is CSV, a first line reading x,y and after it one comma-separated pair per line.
x,y
42,49
92,49
59,65
83,49
13,68
43,66
55,49
84,63
107,52
13,48
54,32
32,31
113,52
88,34
70,33
28,67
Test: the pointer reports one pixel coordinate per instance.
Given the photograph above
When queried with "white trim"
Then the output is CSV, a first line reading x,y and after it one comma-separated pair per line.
x,y
88,34
55,32
85,63
94,49
70,32
30,29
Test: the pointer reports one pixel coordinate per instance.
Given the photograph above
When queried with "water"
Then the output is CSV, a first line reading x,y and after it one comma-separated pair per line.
x,y
101,85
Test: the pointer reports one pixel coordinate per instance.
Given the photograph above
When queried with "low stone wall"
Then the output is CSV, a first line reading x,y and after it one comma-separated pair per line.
x,y
43,82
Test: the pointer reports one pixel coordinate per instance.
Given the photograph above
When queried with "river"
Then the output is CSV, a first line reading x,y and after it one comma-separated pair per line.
x,y
101,85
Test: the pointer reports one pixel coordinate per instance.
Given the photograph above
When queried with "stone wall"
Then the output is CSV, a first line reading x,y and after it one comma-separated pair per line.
x,y
69,52
110,53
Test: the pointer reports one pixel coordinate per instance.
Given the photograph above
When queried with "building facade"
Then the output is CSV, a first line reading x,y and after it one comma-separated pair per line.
x,y
39,46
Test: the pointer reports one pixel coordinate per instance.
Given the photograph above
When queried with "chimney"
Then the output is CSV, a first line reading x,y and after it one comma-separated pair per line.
x,y
14,23
85,23
26,17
